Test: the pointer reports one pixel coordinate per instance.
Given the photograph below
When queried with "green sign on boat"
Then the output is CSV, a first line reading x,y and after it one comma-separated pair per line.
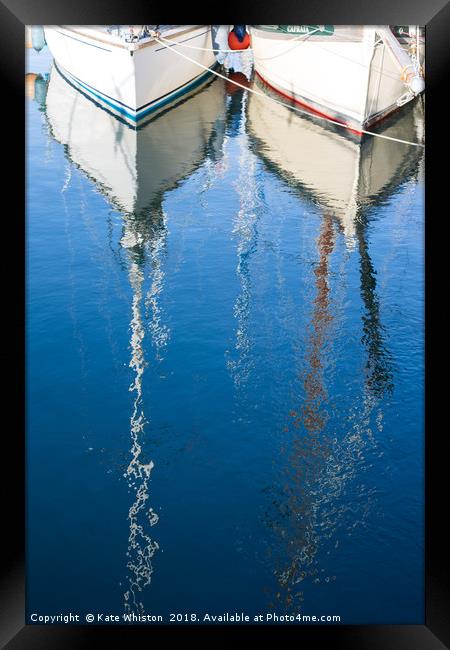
x,y
319,30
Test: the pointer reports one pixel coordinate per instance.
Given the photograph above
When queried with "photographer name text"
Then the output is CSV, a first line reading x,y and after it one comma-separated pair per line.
x,y
208,618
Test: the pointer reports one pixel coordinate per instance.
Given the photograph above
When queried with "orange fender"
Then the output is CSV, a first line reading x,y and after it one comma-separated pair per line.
x,y
235,44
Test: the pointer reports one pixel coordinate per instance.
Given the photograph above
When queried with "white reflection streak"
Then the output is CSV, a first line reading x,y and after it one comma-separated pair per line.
x,y
245,228
160,333
213,171
141,547
216,164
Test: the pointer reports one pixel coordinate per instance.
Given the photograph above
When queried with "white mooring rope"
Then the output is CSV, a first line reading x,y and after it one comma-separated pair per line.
x,y
220,49
277,101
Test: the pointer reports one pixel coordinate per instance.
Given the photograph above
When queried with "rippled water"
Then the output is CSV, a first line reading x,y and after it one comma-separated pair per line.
x,y
225,360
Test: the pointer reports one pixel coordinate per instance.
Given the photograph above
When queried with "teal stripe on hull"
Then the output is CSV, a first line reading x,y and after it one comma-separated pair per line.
x,y
127,112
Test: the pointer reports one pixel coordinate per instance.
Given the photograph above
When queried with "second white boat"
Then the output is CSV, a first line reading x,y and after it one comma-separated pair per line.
x,y
353,75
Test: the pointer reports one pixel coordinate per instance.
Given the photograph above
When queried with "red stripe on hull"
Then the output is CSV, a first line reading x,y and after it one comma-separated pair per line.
x,y
309,107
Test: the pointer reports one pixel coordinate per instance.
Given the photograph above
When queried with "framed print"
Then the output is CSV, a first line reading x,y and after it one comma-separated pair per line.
x,y
223,295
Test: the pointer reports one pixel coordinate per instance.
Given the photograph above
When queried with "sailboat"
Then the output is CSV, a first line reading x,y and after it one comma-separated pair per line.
x,y
126,69
355,75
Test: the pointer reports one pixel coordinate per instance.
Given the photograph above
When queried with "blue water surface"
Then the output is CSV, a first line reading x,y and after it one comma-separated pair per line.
x,y
225,366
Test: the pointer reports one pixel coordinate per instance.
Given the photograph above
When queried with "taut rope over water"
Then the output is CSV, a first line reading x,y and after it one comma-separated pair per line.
x,y
277,101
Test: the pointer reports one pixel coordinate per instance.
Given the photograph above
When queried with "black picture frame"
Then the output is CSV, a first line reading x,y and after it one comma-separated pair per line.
x,y
14,14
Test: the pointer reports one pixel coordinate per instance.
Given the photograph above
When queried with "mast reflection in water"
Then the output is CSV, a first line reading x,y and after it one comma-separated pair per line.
x,y
134,170
346,180
141,547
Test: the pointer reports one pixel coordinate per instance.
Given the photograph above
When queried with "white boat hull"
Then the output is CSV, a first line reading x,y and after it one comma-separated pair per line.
x,y
131,80
350,74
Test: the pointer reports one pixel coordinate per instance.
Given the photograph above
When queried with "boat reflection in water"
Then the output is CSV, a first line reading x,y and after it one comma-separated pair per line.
x,y
134,170
325,446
